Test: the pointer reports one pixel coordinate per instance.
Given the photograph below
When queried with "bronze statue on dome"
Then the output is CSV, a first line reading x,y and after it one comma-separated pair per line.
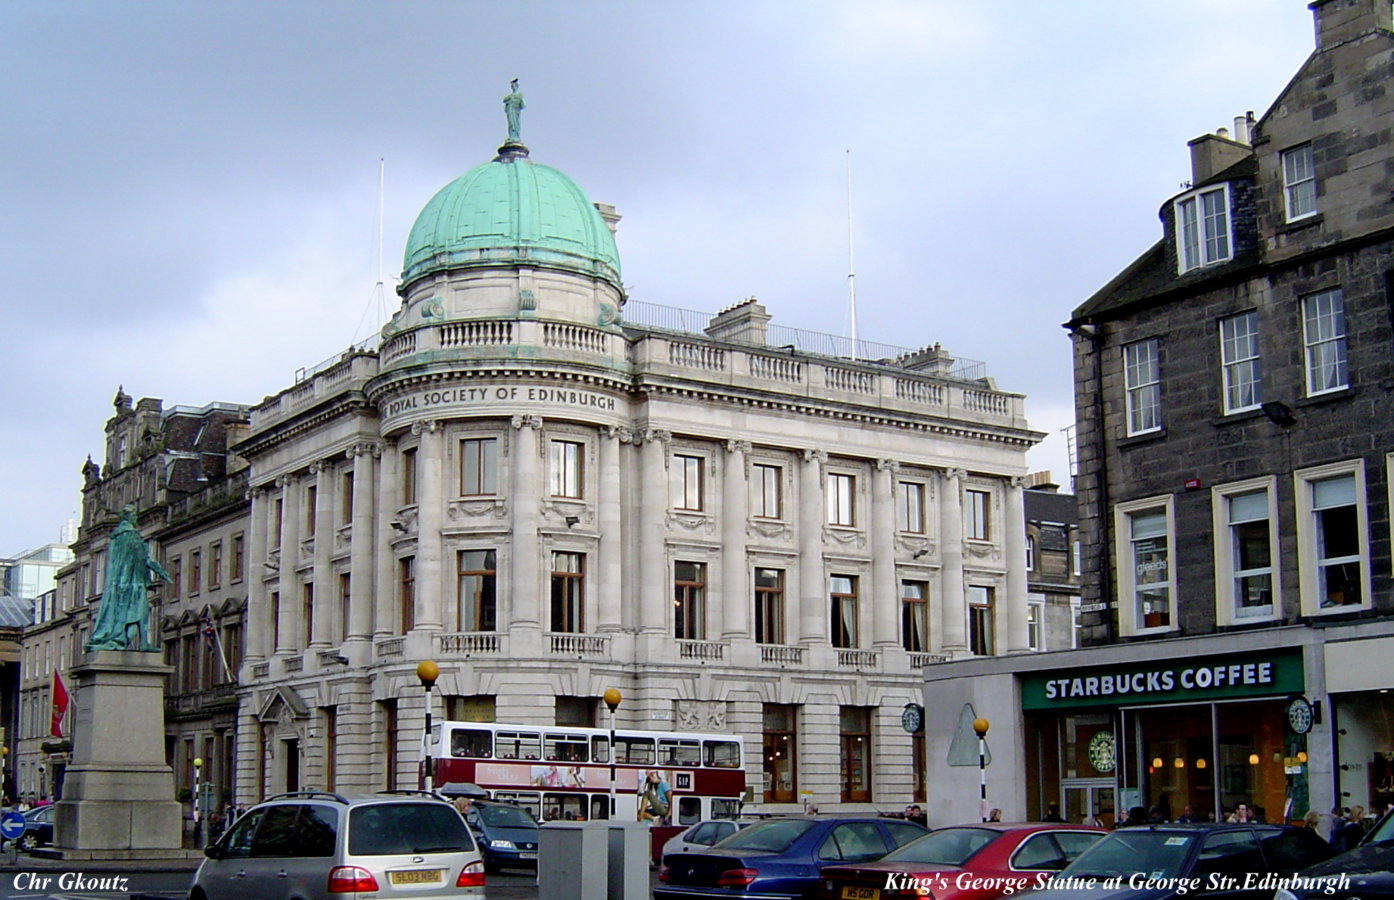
x,y
123,613
513,110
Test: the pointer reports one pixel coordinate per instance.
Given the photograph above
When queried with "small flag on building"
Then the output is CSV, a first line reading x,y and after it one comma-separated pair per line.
x,y
60,705
210,634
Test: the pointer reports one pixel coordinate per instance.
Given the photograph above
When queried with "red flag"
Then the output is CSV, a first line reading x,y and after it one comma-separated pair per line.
x,y
60,705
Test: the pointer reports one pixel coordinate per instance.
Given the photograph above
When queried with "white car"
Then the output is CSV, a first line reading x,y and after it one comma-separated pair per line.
x,y
704,834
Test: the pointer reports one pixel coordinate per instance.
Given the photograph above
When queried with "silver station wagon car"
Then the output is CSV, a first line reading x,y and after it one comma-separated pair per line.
x,y
314,845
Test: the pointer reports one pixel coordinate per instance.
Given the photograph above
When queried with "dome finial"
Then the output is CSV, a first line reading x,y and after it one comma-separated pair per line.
x,y
513,110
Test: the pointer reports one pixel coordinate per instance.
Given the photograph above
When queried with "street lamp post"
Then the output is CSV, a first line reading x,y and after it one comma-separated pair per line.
x,y
428,672
980,727
612,699
198,822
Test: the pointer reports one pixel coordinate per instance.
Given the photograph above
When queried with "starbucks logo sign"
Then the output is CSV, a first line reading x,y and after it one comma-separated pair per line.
x,y
1101,752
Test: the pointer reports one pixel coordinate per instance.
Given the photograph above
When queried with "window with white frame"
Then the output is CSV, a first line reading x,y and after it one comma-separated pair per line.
x,y
1035,622
769,493
686,474
976,507
1146,581
1324,335
914,616
479,467
1142,386
1239,362
1202,228
982,621
689,600
1030,553
1245,528
566,469
1299,182
842,496
842,590
1333,560
911,507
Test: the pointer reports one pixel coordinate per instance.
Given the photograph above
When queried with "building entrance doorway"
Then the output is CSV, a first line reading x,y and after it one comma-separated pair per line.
x,y
1090,800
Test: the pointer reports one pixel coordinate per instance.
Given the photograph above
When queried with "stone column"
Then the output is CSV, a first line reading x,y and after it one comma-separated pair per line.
x,y
361,540
952,596
430,513
813,594
736,596
322,627
608,511
525,589
654,584
885,592
254,572
1014,545
385,579
290,624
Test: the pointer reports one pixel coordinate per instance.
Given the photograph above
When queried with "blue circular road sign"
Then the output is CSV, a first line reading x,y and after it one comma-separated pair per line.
x,y
11,825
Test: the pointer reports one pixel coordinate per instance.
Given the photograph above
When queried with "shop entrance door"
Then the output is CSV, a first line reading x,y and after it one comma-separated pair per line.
x,y
1089,797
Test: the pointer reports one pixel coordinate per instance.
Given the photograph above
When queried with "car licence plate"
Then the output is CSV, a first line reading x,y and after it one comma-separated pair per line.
x,y
861,893
416,876
527,854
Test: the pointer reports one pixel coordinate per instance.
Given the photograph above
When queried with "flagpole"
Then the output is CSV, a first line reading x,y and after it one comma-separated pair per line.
x,y
211,633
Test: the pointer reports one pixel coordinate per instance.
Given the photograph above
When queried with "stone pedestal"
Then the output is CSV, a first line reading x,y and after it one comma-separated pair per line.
x,y
118,794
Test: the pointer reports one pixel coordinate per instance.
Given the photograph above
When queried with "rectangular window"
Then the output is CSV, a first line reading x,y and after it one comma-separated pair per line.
x,y
274,611
687,482
238,549
689,601
854,725
1299,182
841,499
1030,553
843,628
477,603
977,506
479,467
195,571
1324,335
215,565
409,476
1202,228
910,510
1035,620
914,616
769,606
1249,554
1239,362
346,498
568,581
1337,528
278,517
566,469
781,748
307,612
176,584
1142,384
981,621
311,514
406,592
1146,581
768,491
345,593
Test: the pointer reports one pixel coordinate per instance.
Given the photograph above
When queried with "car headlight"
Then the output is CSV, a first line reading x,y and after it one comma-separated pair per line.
x,y
498,844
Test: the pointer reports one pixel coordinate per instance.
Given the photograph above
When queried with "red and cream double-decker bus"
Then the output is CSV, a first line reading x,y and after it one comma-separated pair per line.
x,y
562,772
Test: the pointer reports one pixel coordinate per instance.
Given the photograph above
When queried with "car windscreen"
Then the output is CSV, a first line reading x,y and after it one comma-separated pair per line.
x,y
383,829
1384,830
1158,854
771,836
506,817
948,846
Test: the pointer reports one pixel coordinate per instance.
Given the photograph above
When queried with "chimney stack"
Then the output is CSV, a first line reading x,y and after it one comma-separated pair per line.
x,y
1338,21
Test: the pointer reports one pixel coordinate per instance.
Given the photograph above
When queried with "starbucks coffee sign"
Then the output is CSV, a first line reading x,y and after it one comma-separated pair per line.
x,y
1227,677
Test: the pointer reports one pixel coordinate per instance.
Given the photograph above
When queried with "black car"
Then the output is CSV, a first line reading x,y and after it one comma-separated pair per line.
x,y
1369,868
1215,860
507,834
38,828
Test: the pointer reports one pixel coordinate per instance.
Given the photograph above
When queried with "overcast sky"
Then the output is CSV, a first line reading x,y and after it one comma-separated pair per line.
x,y
191,189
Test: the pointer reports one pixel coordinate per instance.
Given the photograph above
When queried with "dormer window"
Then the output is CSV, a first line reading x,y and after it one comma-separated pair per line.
x,y
1299,183
1202,228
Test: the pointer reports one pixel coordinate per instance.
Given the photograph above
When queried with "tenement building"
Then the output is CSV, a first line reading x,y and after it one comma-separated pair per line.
x,y
1235,444
551,491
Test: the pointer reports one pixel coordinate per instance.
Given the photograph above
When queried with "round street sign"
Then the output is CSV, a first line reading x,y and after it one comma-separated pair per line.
x,y
11,825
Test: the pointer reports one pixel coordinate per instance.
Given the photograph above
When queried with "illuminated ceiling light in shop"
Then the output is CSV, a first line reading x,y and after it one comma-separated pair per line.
x,y
1200,763
1179,763
1253,759
1157,762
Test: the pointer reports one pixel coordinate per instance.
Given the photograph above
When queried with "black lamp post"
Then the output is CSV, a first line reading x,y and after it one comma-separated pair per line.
x,y
612,699
428,672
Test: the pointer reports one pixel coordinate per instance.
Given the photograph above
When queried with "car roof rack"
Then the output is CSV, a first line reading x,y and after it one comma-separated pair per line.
x,y
413,792
291,795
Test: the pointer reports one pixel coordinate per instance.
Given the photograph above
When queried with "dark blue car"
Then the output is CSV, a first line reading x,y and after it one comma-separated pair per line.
x,y
38,828
780,858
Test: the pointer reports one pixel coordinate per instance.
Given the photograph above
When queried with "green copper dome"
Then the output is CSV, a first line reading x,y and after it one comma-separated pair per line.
x,y
511,210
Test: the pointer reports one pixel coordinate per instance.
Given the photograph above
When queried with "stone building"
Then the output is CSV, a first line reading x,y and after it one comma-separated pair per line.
x,y
1052,565
1234,439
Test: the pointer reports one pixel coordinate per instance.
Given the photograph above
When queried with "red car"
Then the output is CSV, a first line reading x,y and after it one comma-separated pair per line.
x,y
964,862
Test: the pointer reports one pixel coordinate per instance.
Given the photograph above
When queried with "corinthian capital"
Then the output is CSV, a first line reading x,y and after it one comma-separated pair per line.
x,y
533,422
955,474
891,465
818,456
734,447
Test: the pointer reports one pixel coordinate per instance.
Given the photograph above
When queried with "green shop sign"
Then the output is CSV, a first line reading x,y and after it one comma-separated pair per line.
x,y
1221,678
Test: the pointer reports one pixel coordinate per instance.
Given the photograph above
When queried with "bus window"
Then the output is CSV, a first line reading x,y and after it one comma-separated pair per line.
x,y
725,809
564,748
529,800
673,752
600,806
600,749
722,754
689,810
473,743
517,745
634,750
571,807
